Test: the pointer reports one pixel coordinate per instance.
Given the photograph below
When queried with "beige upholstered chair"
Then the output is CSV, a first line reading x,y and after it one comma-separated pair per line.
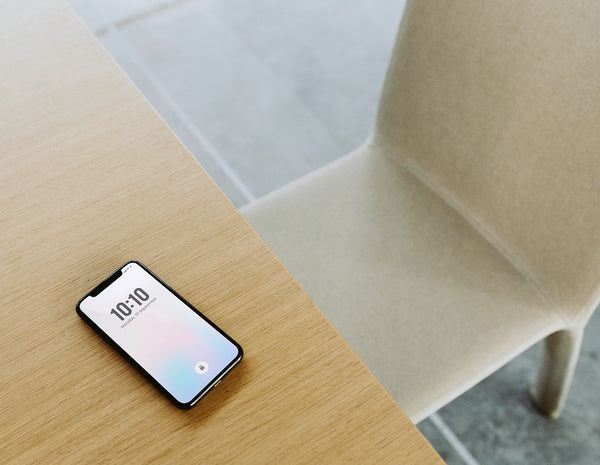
x,y
467,227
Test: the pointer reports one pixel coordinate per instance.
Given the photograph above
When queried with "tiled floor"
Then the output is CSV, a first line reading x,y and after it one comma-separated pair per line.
x,y
266,91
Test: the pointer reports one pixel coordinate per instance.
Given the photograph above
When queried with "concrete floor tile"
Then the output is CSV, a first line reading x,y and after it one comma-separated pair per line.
x,y
280,89
114,47
248,111
439,443
334,54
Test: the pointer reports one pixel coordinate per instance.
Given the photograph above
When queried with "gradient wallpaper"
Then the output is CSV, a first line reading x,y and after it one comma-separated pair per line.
x,y
169,340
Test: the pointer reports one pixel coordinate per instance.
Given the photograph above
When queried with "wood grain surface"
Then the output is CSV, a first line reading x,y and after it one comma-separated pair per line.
x,y
92,177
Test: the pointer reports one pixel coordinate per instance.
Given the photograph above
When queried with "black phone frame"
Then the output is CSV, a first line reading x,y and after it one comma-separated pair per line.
x,y
182,405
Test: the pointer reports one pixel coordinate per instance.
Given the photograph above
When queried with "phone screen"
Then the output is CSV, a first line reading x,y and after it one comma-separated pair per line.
x,y
182,351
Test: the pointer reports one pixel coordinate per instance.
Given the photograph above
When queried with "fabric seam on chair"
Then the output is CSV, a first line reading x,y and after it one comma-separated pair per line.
x,y
475,224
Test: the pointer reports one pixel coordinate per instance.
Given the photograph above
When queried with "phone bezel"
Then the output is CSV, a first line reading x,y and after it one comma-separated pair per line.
x,y
216,379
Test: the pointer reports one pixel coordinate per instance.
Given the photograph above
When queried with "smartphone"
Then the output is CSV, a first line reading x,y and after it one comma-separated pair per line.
x,y
165,338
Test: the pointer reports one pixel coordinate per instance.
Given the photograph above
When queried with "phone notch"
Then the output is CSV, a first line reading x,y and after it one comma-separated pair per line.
x,y
104,284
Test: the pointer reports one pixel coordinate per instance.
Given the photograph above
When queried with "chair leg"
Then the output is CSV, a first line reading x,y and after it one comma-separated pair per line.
x,y
555,372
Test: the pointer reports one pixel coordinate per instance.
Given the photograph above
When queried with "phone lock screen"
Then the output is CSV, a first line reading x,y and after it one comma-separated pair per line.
x,y
163,336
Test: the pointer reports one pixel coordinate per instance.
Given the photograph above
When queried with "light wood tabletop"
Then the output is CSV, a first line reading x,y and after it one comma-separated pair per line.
x,y
92,177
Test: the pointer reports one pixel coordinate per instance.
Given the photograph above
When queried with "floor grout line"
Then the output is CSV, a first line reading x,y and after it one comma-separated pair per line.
x,y
452,439
136,16
187,122
151,11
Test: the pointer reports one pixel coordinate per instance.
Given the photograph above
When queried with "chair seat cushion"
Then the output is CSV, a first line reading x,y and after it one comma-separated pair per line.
x,y
423,298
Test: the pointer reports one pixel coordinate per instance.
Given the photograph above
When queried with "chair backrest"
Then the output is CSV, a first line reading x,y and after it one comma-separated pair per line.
x,y
497,106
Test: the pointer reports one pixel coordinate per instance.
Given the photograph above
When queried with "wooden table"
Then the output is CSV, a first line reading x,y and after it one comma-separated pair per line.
x,y
91,177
